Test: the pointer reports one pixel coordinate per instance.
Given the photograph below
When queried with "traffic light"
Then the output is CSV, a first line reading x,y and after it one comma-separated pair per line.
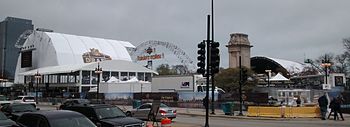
x,y
244,75
215,57
201,58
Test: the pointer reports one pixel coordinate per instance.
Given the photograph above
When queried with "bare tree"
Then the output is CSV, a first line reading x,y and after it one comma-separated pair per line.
x,y
320,59
341,63
346,42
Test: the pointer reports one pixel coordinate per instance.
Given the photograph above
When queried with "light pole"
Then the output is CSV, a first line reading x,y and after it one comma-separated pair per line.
x,y
37,76
98,71
141,93
268,77
326,64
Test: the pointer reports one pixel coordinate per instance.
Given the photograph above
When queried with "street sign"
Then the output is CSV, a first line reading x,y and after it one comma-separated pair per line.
x,y
326,86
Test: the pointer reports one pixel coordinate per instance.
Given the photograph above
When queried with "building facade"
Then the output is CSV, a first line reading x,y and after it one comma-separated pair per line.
x,y
10,30
239,45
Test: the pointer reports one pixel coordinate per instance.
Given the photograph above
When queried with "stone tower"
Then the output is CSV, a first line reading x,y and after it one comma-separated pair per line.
x,y
239,45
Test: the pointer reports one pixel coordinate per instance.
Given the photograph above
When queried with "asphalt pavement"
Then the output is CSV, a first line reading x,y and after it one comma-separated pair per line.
x,y
201,112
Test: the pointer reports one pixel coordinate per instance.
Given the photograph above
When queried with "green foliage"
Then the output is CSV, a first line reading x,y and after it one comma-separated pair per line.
x,y
228,79
164,69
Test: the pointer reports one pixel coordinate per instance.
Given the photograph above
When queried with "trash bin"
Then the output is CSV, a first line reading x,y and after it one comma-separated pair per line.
x,y
136,103
227,108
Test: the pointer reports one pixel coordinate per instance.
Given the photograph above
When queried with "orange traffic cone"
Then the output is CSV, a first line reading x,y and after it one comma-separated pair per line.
x,y
166,122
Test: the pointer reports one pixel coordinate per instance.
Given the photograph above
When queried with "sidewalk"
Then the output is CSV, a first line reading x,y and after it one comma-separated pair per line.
x,y
220,113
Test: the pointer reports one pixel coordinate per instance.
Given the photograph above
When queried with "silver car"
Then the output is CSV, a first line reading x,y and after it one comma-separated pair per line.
x,y
142,112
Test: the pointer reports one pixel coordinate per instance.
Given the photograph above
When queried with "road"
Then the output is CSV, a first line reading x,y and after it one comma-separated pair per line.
x,y
198,121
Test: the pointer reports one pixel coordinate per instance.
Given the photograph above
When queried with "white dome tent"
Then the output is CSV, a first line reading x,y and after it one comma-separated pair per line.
x,y
69,61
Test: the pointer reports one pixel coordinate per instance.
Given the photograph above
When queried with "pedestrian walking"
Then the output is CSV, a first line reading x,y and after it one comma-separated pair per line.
x,y
332,107
323,102
205,102
338,102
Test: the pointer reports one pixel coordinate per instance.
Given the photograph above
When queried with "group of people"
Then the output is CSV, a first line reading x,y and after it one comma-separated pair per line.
x,y
335,106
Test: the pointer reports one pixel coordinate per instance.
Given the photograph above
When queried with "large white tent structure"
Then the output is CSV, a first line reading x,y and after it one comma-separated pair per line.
x,y
69,61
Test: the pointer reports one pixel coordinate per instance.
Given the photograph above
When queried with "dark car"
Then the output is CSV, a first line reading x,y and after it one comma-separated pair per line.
x,y
6,122
54,118
70,102
13,111
105,115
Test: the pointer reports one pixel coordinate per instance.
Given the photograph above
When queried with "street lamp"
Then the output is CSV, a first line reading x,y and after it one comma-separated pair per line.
x,y
37,76
98,71
326,64
268,77
141,93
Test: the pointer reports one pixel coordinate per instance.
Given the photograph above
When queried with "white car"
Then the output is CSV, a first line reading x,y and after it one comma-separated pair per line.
x,y
25,99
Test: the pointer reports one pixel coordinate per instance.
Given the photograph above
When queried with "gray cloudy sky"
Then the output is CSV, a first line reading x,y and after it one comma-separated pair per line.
x,y
285,29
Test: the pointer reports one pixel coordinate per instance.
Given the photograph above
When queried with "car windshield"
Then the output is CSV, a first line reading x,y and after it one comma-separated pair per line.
x,y
23,108
162,105
109,112
18,98
28,98
2,116
71,122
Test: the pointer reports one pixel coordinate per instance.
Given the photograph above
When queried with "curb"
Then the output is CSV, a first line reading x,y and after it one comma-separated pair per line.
x,y
252,118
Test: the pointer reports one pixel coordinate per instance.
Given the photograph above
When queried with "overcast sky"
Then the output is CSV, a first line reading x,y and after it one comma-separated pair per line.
x,y
285,29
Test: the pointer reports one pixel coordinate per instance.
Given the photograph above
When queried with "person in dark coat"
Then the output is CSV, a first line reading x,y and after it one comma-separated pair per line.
x,y
205,101
337,107
298,101
323,102
332,107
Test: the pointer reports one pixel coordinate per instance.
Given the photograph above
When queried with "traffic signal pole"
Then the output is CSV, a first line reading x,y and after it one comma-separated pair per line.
x,y
213,74
240,82
207,74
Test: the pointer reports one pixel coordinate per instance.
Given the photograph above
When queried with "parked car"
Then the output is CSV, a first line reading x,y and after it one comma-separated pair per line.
x,y
143,110
14,110
6,122
54,118
105,115
70,102
25,99
4,100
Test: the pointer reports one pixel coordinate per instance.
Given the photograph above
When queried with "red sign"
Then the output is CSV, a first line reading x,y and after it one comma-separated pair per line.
x,y
150,57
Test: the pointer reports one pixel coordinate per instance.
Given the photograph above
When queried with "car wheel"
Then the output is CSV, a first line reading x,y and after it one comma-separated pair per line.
x,y
128,114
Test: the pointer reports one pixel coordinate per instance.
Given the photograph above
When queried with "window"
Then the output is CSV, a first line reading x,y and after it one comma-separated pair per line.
x,y
146,106
29,120
115,74
86,77
109,112
105,76
43,123
148,77
141,76
124,76
132,75
94,78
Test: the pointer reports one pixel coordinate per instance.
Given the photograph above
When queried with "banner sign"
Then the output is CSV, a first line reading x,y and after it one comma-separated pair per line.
x,y
149,51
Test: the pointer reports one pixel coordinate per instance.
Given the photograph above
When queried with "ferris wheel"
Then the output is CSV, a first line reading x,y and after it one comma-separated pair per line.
x,y
144,52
